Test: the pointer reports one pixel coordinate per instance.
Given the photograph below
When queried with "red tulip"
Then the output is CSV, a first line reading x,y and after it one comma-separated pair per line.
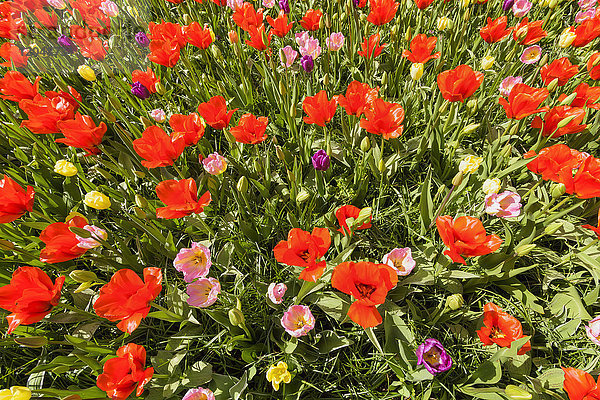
x,y
167,32
29,296
257,38
586,183
560,69
549,126
61,243
190,128
311,20
587,31
280,24
318,109
157,148
250,129
11,23
501,328
421,47
556,163
14,86
13,55
370,47
349,211
382,11
126,298
215,112
303,249
147,78
524,101
122,375
181,198
246,16
423,4
45,113
595,229
15,200
199,36
580,385
358,98
526,33
586,96
465,236
460,83
594,70
165,53
384,119
495,30
82,133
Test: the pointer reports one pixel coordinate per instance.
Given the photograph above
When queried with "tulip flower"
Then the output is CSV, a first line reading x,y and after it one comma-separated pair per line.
x,y
278,374
465,236
319,110
203,292
349,211
16,201
61,243
460,83
181,198
215,112
560,69
495,30
125,374
303,249
500,328
298,320
276,291
433,356
580,385
524,101
157,148
194,262
14,86
250,129
421,48
400,260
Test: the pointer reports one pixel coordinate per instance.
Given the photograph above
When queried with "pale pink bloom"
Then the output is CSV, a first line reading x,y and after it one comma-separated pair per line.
x,y
309,46
593,330
214,164
583,15
109,8
504,205
521,7
531,55
335,41
91,242
298,320
268,3
193,262
234,4
401,260
203,292
287,56
508,84
58,4
586,4
158,115
199,394
276,292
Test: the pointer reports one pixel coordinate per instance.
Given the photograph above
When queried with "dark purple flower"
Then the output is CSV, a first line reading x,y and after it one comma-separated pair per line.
x,y
432,354
140,91
307,63
66,43
356,3
320,160
285,6
142,39
507,5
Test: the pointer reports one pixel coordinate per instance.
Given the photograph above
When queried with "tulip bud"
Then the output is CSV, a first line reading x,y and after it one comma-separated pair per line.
x,y
455,301
282,88
83,286
96,200
552,85
487,62
31,342
524,249
381,166
364,216
458,178
365,144
596,61
472,105
302,196
146,122
140,201
569,99
81,276
522,33
236,317
470,128
233,37
280,153
242,184
110,117
552,4
566,37
141,214
115,103
552,228
444,23
543,60
326,79
216,52
506,150
293,111
492,185
408,35
416,71
516,393
558,189
384,78
565,121
86,73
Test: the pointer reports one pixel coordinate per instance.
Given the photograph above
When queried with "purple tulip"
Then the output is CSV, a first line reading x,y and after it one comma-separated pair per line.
x,y
140,91
285,6
320,160
433,356
307,63
142,39
356,3
66,43
507,5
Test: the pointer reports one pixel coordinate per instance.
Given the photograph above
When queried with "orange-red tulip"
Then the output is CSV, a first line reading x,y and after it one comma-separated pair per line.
x,y
29,296
370,47
586,96
383,118
460,83
465,236
560,69
368,283
180,198
157,148
246,16
421,47
215,112
526,33
304,249
250,129
358,98
495,30
580,385
82,133
549,125
13,55
594,70
44,113
14,86
61,243
319,109
16,201
501,328
125,373
147,78
382,11
349,211
187,127
198,36
524,101
587,31
311,19
280,24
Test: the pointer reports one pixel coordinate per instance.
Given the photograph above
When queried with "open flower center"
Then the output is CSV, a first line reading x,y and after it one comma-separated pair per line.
x,y
432,357
398,264
496,333
365,290
305,255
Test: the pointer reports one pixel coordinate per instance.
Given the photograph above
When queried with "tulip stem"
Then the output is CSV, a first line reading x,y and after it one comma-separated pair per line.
x,y
587,246
538,183
442,206
40,214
